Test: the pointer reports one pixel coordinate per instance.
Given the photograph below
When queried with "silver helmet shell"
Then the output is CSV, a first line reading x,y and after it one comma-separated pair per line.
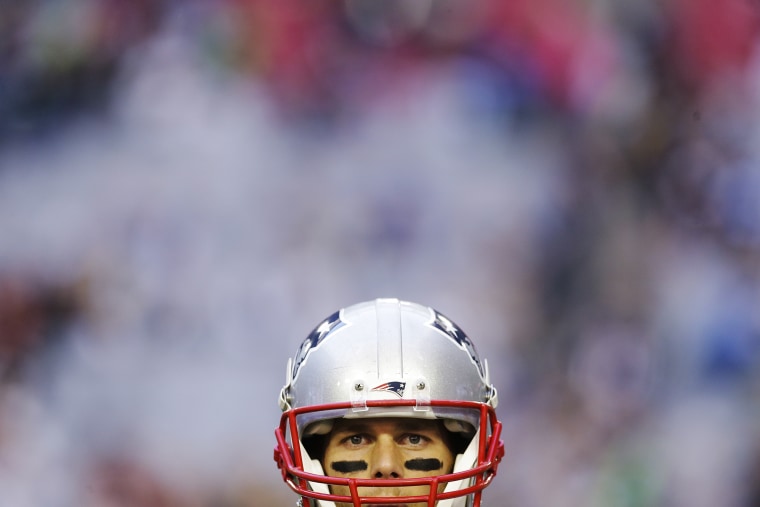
x,y
386,349
409,359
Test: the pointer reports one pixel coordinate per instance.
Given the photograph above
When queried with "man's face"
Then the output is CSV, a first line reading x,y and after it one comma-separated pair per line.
x,y
387,448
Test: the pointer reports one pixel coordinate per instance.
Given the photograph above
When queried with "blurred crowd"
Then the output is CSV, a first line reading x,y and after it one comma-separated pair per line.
x,y
188,187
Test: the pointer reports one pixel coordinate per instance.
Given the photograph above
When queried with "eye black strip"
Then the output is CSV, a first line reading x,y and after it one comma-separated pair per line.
x,y
346,467
424,464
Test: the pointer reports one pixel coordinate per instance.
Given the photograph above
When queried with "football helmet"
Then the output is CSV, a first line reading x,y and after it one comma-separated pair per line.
x,y
388,358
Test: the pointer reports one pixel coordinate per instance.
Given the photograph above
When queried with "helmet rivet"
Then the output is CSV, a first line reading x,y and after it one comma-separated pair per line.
x,y
359,386
420,385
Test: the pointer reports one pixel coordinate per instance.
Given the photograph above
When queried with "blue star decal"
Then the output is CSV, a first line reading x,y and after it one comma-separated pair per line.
x,y
316,337
455,333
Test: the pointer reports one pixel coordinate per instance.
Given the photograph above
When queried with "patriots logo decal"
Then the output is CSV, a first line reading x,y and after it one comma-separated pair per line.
x,y
394,387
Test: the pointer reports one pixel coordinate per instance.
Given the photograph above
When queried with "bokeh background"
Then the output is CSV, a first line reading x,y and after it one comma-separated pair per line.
x,y
188,187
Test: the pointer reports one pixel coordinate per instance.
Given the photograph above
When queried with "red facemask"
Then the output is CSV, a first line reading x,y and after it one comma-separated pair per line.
x,y
470,478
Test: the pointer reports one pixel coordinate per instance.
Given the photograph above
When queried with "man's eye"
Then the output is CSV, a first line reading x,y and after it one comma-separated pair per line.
x,y
414,439
356,439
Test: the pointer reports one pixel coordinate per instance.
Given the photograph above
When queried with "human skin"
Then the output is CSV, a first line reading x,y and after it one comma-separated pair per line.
x,y
387,448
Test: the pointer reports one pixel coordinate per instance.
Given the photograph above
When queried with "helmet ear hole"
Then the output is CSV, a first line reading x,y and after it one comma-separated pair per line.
x,y
315,436
315,445
460,434
458,442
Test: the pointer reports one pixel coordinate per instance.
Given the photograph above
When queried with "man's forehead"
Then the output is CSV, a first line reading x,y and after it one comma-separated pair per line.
x,y
397,423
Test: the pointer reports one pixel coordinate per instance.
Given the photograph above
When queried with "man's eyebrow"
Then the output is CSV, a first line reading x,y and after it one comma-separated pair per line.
x,y
418,425
352,427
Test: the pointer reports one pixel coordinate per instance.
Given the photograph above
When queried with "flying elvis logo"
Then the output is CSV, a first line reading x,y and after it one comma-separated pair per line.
x,y
394,387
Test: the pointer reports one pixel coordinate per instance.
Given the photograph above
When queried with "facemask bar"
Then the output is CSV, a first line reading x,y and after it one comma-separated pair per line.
x,y
290,459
